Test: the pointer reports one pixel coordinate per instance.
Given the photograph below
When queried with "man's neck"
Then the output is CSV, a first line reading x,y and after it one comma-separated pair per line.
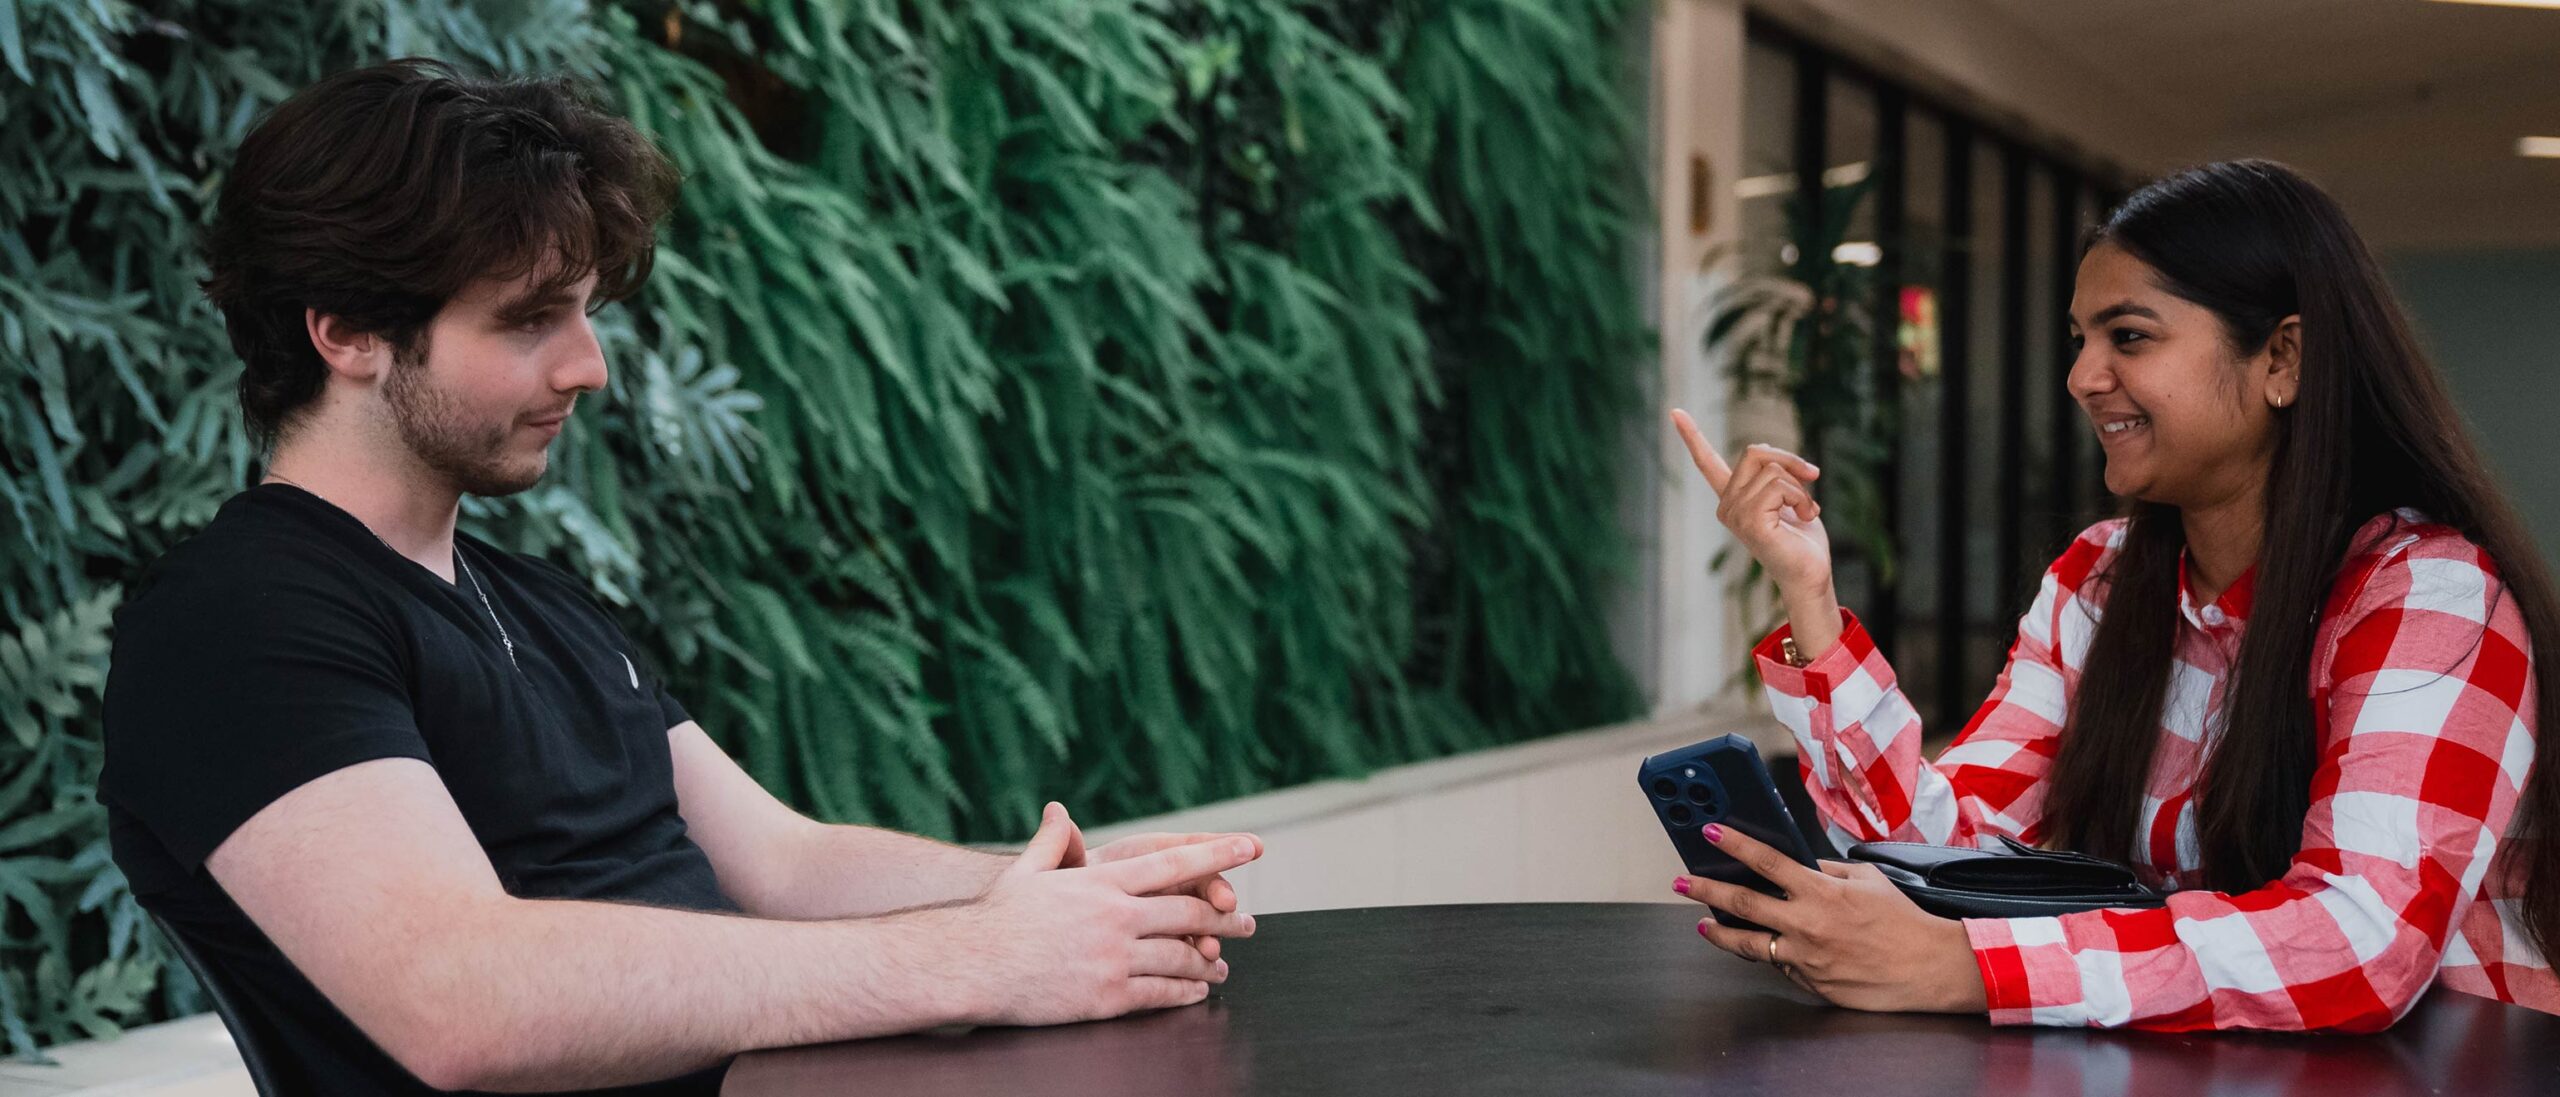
x,y
401,503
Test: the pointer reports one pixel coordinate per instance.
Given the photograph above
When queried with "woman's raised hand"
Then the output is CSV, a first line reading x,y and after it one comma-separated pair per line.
x,y
1767,501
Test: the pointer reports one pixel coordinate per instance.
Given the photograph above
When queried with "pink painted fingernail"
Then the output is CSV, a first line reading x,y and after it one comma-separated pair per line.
x,y
1680,884
1702,929
1713,832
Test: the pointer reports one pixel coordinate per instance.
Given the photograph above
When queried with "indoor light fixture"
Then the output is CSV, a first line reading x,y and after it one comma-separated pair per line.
x,y
1770,186
1858,253
2539,146
2507,3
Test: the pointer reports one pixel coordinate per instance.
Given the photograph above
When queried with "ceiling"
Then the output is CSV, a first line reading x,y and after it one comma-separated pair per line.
x,y
2407,110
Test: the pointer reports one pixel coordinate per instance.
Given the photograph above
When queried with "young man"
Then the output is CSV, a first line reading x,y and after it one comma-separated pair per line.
x,y
411,797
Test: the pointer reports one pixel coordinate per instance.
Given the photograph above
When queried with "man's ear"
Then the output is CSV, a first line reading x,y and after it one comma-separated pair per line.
x,y
355,355
2284,363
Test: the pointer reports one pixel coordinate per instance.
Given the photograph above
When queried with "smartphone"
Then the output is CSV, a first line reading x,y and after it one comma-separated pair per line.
x,y
1720,781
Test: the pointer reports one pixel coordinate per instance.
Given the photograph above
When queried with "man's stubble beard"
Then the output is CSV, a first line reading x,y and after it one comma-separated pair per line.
x,y
471,456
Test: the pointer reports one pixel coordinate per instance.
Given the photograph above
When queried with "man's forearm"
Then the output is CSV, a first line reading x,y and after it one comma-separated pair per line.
x,y
852,872
529,995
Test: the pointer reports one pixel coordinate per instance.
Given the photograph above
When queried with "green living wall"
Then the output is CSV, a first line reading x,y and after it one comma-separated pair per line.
x,y
1128,402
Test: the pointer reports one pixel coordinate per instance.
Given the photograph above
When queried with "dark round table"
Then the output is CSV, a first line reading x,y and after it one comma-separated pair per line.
x,y
1610,998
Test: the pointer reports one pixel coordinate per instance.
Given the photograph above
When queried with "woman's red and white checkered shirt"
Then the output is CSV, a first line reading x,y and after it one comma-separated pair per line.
x,y
2421,677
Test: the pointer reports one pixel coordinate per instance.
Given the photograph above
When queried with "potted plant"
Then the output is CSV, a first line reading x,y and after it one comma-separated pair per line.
x,y
1802,328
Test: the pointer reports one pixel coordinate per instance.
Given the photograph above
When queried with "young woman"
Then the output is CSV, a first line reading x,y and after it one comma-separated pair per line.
x,y
2294,683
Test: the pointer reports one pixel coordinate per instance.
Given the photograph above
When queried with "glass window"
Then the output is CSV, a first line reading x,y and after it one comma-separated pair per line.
x,y
1915,654
1848,170
1986,636
2044,386
2001,549
1767,177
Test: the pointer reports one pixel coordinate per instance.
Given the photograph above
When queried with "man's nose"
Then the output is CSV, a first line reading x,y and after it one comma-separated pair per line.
x,y
584,370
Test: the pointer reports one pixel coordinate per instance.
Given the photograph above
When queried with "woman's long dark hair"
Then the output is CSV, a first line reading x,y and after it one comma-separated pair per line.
x,y
2371,430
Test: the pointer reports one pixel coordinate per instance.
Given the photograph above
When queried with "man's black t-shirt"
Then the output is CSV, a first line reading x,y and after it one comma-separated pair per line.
x,y
285,642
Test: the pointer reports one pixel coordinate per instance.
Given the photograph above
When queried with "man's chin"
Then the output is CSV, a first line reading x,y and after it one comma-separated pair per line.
x,y
499,482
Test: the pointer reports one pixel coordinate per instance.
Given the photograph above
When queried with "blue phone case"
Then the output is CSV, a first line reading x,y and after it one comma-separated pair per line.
x,y
1720,781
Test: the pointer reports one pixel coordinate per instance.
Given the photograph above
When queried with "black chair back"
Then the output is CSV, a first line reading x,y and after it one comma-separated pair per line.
x,y
244,1034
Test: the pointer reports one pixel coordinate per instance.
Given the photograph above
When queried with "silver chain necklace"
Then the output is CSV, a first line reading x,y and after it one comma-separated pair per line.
x,y
476,588
458,562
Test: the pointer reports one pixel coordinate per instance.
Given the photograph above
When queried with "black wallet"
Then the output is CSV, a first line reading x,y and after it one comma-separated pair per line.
x,y
2014,881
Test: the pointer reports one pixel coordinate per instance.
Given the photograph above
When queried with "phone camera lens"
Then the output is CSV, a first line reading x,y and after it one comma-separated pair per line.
x,y
1666,788
1701,795
1679,814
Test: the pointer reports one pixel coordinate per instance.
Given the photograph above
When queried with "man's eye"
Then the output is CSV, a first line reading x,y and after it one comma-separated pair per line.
x,y
535,324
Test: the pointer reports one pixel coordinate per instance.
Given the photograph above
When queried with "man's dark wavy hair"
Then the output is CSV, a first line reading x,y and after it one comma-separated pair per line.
x,y
378,194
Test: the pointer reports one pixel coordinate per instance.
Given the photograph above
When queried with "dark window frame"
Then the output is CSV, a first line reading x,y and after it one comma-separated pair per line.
x,y
2030,530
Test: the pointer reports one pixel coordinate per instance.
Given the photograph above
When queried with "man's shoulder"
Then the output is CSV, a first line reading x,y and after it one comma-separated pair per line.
x,y
534,568
555,583
247,567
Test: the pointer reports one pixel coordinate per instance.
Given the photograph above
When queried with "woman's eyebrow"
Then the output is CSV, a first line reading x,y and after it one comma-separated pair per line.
x,y
2124,308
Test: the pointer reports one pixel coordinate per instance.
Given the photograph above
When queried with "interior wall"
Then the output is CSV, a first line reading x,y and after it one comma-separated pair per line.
x,y
1554,820
1687,645
2491,319
1979,58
